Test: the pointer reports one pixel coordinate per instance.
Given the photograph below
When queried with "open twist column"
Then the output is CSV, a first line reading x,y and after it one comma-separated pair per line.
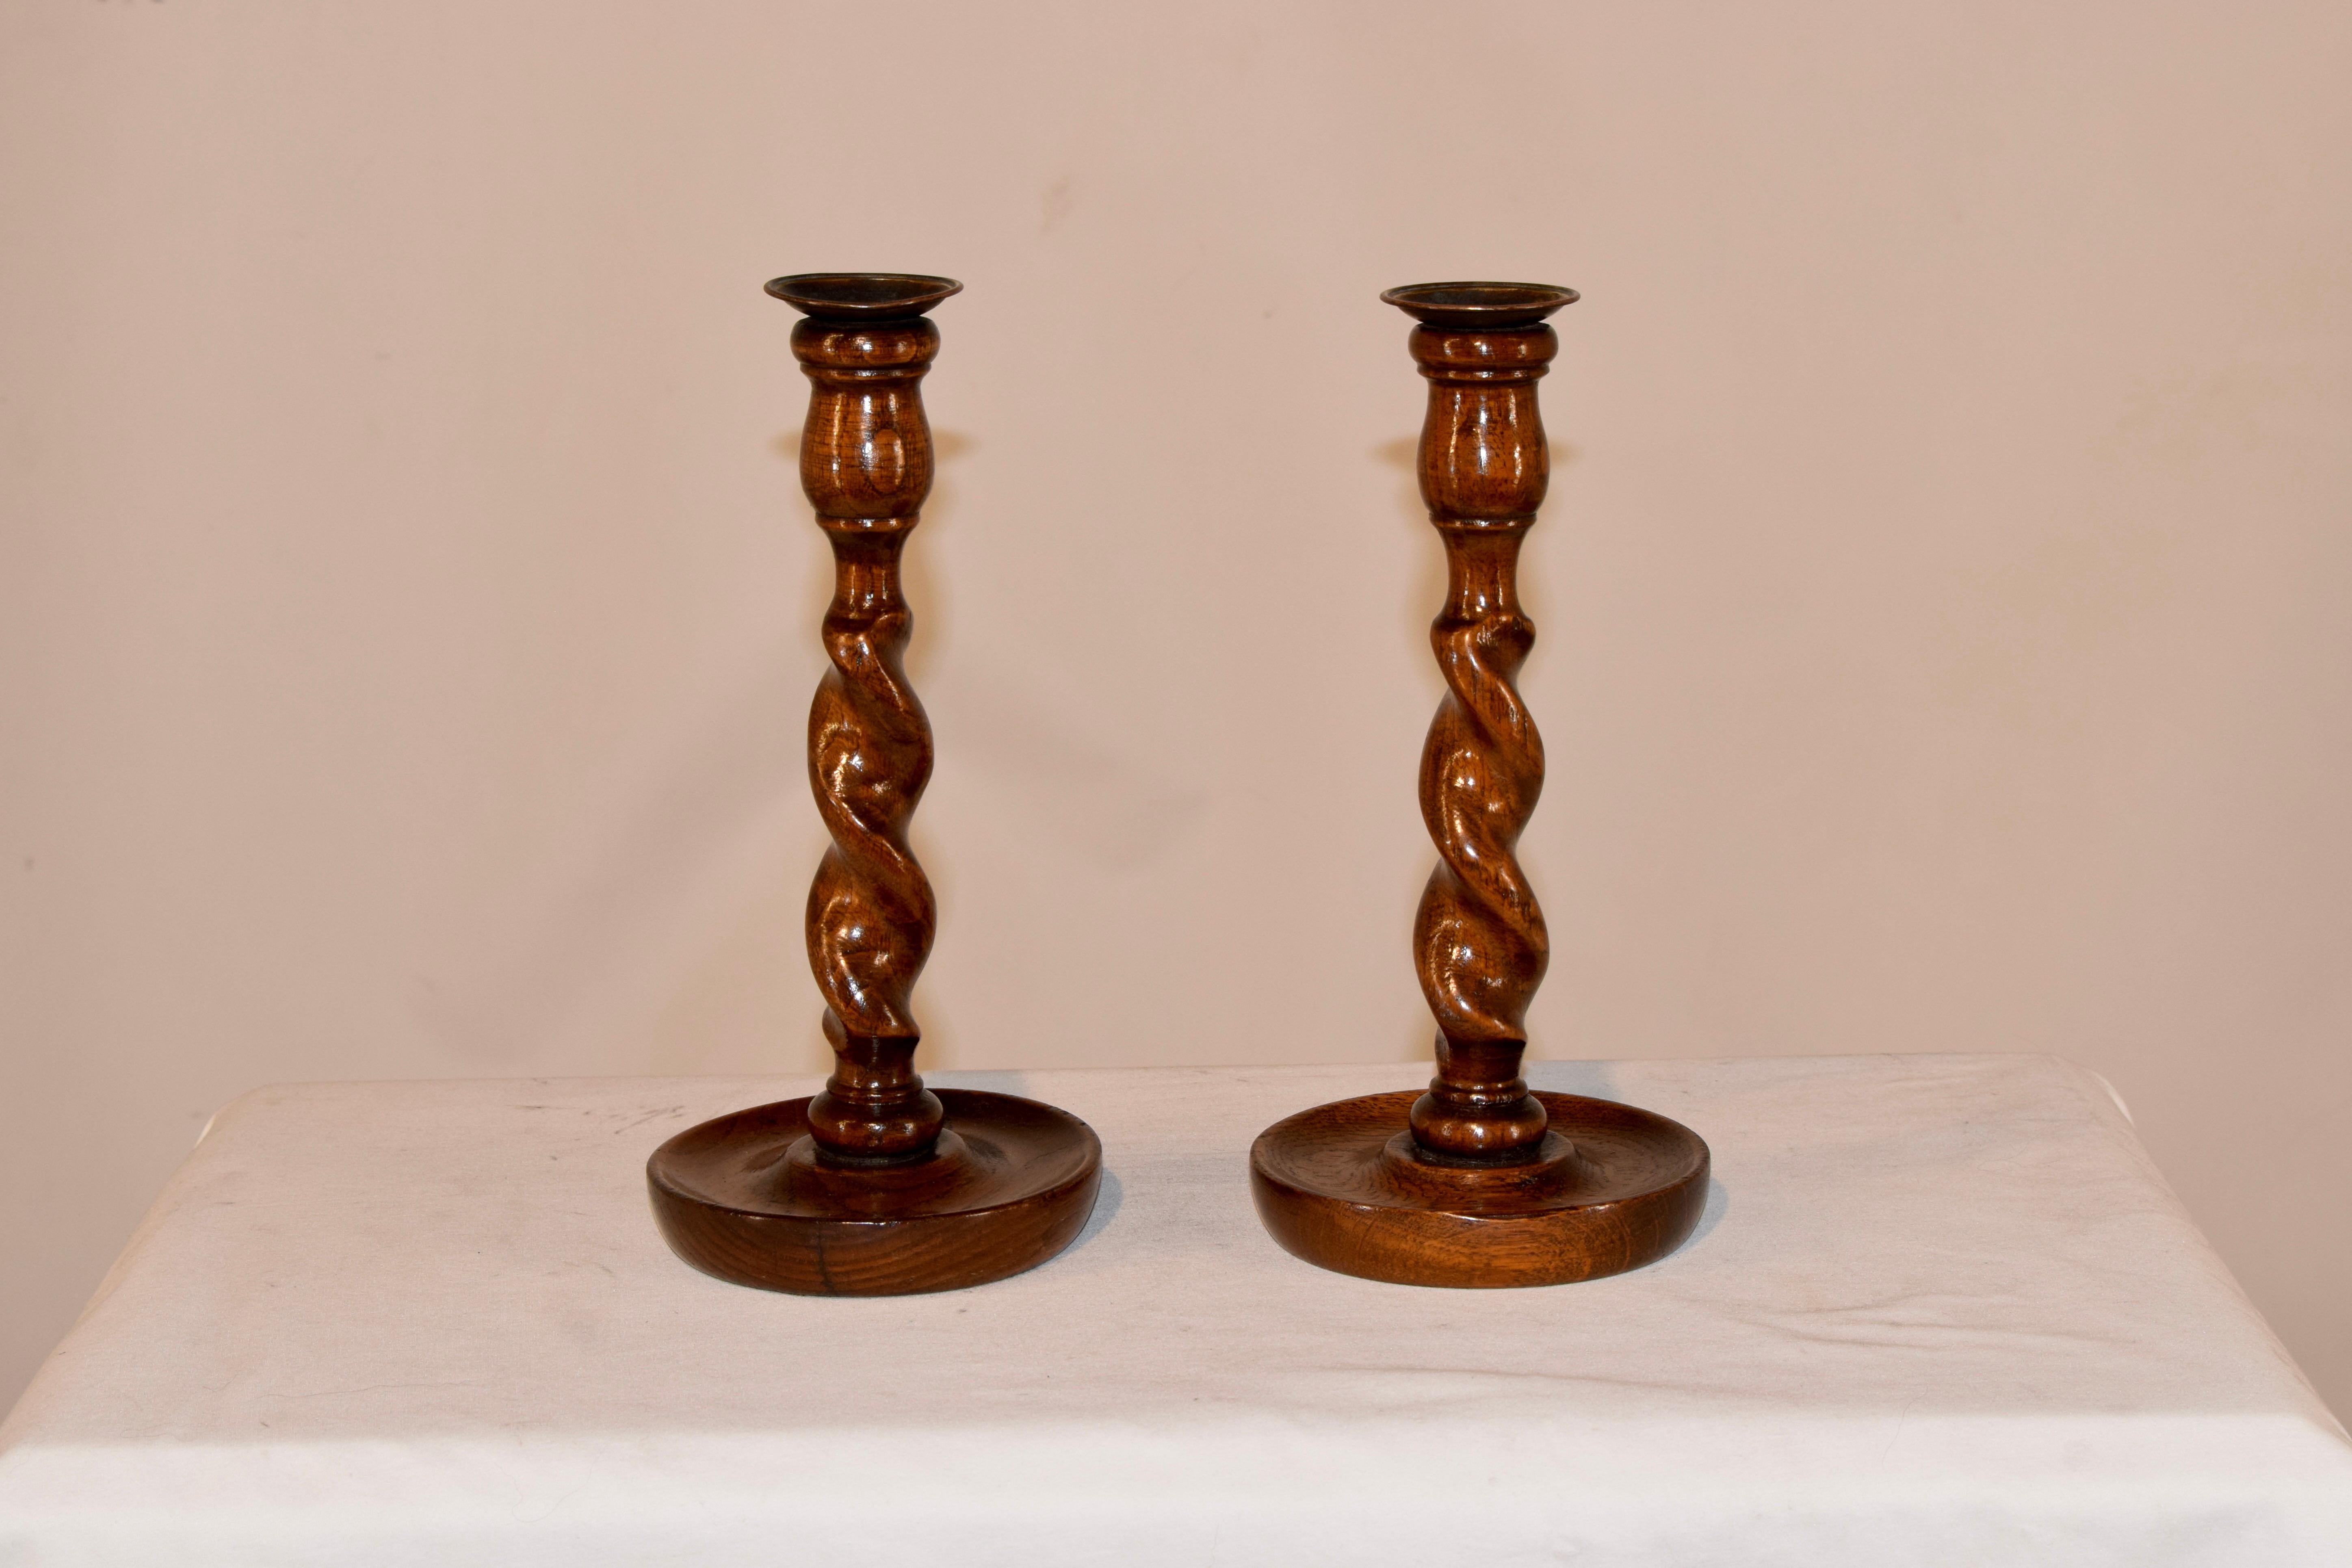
x,y
1479,1181
877,1185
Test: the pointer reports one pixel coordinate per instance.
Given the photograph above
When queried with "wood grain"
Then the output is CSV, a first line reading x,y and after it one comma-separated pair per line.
x,y
746,1198
1341,1186
866,463
1480,947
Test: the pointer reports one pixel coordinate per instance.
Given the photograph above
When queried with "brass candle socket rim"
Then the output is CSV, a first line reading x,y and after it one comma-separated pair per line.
x,y
862,296
1486,306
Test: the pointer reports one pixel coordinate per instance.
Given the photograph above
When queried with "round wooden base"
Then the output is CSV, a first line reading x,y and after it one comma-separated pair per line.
x,y
1611,1188
743,1197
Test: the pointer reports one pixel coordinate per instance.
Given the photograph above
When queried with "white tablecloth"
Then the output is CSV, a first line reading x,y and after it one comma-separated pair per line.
x,y
1941,1310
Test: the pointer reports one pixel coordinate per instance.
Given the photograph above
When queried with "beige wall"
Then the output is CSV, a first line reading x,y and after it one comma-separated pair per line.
x,y
408,607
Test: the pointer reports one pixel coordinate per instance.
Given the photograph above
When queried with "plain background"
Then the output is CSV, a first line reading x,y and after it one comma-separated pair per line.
x,y
408,608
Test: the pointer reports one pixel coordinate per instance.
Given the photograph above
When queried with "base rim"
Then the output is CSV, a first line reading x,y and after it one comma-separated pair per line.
x,y
1323,1193
891,1231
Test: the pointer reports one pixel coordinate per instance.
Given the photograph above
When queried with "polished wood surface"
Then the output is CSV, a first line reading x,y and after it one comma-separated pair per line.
x,y
748,1198
1479,944
866,463
1479,1182
1340,1185
877,1185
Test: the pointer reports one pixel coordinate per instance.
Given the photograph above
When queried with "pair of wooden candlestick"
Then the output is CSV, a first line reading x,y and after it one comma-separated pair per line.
x,y
880,1186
